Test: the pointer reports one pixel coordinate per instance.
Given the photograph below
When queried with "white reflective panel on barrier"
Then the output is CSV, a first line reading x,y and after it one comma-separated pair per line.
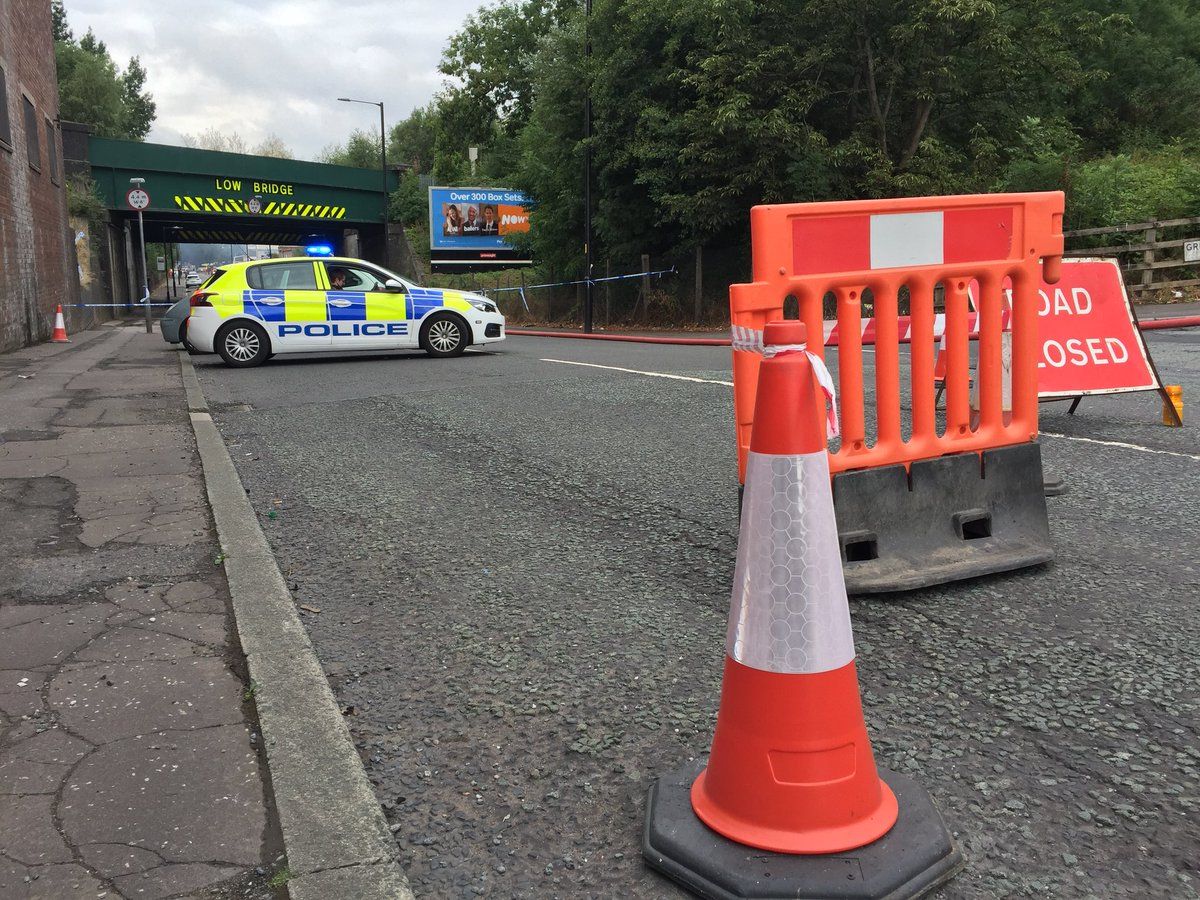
x,y
788,612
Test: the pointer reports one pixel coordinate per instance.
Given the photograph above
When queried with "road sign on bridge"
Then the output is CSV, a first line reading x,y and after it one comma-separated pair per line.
x,y
138,199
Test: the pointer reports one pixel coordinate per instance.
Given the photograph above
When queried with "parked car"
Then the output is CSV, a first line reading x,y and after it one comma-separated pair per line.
x,y
173,324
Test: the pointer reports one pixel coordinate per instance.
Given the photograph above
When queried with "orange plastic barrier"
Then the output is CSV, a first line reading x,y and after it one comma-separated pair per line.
x,y
808,250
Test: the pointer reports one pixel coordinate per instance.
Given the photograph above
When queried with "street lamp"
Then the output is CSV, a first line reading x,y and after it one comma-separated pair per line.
x,y
382,166
137,183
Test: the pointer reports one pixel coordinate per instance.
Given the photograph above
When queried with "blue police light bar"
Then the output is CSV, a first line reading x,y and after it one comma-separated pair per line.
x,y
319,250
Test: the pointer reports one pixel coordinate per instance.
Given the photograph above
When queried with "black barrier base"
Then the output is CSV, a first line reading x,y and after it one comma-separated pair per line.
x,y
915,857
1053,487
962,516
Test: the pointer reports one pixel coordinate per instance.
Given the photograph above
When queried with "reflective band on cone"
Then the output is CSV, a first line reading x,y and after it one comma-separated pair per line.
x,y
60,328
791,768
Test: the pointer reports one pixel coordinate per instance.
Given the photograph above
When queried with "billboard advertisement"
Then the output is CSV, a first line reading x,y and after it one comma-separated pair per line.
x,y
470,228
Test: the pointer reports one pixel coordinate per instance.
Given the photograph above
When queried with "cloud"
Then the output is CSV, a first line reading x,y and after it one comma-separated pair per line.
x,y
278,67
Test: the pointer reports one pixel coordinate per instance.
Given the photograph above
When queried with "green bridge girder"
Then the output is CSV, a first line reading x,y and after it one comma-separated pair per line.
x,y
207,195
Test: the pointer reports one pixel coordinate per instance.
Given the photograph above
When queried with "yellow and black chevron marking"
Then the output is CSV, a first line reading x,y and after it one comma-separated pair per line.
x,y
274,208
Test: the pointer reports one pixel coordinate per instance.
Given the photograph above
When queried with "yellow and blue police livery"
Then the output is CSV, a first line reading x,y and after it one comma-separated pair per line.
x,y
250,311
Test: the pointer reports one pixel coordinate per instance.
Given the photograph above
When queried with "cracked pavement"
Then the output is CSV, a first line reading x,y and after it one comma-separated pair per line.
x,y
129,764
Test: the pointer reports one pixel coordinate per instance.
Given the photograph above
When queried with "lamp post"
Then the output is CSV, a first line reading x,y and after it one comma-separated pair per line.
x,y
137,183
382,167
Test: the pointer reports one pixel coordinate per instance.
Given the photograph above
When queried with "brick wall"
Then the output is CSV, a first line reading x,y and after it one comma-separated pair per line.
x,y
37,267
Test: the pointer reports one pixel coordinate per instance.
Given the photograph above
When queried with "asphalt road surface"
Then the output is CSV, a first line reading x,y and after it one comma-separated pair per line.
x,y
523,565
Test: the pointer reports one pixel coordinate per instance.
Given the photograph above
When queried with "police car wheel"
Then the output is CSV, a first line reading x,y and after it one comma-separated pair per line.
x,y
243,344
444,336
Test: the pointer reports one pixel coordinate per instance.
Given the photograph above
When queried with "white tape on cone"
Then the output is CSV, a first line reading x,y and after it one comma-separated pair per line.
x,y
788,610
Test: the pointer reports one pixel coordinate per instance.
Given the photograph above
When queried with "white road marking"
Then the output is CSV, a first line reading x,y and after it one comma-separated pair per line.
x,y
1070,437
569,362
1122,445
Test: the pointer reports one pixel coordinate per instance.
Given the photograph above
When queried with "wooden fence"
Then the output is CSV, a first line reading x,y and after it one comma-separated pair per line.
x,y
1151,253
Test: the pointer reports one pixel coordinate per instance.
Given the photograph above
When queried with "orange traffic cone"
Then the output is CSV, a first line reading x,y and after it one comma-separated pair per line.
x,y
791,769
60,328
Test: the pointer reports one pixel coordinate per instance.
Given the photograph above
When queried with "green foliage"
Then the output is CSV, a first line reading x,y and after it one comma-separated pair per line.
x,y
411,140
89,89
58,18
138,106
409,203
550,157
94,90
361,151
1134,188
84,201
493,63
493,59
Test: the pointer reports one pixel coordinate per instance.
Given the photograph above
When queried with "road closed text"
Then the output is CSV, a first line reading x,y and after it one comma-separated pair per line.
x,y
1085,352
1089,342
1090,351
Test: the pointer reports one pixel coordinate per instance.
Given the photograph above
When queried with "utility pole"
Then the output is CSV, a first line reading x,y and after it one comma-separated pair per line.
x,y
587,168
382,167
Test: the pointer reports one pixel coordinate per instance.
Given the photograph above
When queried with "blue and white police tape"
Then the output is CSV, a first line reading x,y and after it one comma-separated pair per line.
x,y
487,292
133,305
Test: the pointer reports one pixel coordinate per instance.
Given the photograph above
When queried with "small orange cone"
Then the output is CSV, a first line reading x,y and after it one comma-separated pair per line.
x,y
60,328
791,769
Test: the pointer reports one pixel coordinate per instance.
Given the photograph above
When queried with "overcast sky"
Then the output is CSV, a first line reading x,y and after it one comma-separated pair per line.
x,y
271,66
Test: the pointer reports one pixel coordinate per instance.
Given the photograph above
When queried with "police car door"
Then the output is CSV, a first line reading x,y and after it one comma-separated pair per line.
x,y
365,315
287,299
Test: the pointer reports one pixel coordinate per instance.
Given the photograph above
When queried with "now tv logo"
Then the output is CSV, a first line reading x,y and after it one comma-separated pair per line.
x,y
513,219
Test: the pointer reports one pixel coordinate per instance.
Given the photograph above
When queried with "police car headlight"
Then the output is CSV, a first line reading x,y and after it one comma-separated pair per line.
x,y
484,305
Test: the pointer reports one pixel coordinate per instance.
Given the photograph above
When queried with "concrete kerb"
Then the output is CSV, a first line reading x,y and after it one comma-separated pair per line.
x,y
337,840
191,384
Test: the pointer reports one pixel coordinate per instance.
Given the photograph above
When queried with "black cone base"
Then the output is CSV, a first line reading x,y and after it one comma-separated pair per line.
x,y
915,857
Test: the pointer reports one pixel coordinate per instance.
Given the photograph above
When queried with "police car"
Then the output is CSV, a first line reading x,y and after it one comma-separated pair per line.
x,y
249,311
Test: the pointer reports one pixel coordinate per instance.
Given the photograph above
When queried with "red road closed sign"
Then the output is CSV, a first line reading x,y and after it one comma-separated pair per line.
x,y
1089,341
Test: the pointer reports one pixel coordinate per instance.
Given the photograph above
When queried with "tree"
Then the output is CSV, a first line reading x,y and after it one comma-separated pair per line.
x,y
273,145
412,139
361,151
1149,54
139,106
492,57
58,18
89,89
214,139
233,142
92,89
700,113
492,66
551,151
409,203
